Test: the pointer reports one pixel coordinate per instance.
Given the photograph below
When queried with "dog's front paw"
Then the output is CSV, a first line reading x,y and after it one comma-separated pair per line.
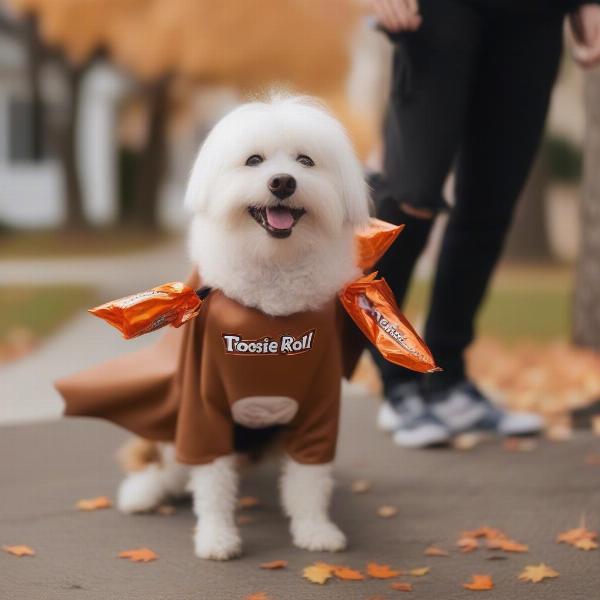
x,y
217,541
140,492
318,535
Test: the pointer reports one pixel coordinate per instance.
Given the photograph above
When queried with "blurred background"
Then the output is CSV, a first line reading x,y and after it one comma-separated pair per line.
x,y
103,104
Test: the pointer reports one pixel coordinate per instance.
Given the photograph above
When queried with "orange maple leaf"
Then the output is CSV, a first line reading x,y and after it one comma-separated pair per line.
x,y
435,551
274,564
484,532
139,555
402,586
419,572
258,596
248,502
93,503
537,573
468,544
387,511
507,545
576,535
317,573
348,574
19,550
360,486
479,583
586,544
381,571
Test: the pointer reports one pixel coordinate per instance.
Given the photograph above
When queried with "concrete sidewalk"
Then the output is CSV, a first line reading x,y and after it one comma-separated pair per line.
x,y
45,468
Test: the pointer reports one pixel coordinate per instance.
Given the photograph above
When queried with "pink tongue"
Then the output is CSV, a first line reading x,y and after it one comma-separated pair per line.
x,y
280,218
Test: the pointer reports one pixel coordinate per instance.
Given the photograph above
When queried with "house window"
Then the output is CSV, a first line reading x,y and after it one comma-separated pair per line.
x,y
21,138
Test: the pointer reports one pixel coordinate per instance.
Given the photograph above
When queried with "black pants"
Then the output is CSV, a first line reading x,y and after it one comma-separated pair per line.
x,y
471,90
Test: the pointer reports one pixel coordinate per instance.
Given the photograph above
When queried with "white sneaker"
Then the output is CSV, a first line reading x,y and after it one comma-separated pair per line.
x,y
402,406
422,432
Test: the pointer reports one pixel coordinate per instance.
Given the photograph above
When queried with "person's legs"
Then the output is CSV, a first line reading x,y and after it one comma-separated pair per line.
x,y
506,119
432,75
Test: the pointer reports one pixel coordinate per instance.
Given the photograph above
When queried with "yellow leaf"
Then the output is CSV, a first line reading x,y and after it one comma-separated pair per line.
x,y
586,544
317,573
420,572
360,486
139,555
19,550
537,573
93,503
387,511
435,551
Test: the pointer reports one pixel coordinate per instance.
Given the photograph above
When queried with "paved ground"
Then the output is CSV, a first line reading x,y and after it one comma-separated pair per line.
x,y
45,468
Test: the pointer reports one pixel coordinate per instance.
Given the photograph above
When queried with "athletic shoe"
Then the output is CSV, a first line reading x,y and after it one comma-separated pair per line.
x,y
401,406
423,431
463,408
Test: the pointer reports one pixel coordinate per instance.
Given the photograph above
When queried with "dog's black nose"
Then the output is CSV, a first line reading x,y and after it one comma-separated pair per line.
x,y
282,185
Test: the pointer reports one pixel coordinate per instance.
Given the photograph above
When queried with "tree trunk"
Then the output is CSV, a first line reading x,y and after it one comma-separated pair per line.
x,y
34,64
528,237
586,322
67,143
152,160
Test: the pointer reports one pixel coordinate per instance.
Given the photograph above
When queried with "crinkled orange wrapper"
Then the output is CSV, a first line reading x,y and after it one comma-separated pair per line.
x,y
373,241
168,304
373,308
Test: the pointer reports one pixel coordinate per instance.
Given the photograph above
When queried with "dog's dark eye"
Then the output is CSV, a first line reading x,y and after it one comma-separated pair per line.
x,y
254,160
305,160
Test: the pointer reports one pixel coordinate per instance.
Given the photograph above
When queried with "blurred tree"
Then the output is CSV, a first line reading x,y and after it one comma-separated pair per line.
x,y
586,325
246,44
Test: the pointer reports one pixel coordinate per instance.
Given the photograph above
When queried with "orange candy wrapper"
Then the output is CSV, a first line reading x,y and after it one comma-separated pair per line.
x,y
373,242
373,308
168,304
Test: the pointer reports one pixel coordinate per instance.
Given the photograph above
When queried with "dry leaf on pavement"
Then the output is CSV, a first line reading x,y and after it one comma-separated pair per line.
x,y
317,573
360,486
507,545
348,574
387,511
515,444
19,550
420,572
139,555
94,503
479,583
258,596
435,551
467,544
402,586
537,573
586,544
381,571
274,564
579,537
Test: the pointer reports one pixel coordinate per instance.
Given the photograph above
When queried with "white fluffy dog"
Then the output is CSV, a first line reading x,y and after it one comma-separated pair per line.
x,y
276,193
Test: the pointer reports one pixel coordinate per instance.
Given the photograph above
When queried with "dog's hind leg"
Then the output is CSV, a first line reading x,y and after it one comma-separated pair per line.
x,y
145,488
215,487
305,495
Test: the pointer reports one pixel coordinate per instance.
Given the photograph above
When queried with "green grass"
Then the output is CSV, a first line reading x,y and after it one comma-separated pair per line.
x,y
523,302
51,243
40,309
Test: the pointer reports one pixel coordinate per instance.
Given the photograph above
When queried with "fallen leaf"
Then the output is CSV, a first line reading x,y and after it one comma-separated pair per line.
x,y
317,573
537,573
593,460
484,532
381,571
19,550
467,441
166,510
248,502
467,544
402,586
479,583
577,535
586,544
496,557
139,555
360,486
94,503
387,511
435,551
507,545
516,444
348,574
258,596
274,564
420,572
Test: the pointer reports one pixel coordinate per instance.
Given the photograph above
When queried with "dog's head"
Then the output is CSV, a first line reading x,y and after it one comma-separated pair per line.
x,y
280,174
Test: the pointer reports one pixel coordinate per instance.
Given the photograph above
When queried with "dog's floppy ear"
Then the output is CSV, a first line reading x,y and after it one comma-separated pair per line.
x,y
354,187
199,185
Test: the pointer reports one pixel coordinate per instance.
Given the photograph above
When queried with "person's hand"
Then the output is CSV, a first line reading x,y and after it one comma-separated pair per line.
x,y
585,25
397,15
